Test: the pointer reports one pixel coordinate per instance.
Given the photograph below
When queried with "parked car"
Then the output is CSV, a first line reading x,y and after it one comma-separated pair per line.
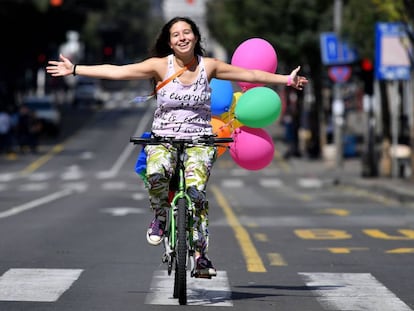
x,y
47,112
87,92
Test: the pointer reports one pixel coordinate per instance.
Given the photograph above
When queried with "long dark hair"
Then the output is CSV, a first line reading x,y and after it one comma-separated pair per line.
x,y
162,48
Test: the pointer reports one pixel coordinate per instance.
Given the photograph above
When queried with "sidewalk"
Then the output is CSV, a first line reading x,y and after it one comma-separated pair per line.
x,y
400,189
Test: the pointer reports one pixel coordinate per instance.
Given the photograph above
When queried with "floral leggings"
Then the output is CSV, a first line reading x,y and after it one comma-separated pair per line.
x,y
161,163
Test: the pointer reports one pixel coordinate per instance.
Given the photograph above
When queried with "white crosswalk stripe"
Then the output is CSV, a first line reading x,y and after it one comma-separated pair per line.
x,y
352,291
37,186
213,292
310,182
40,285
5,177
41,176
333,291
72,173
271,183
232,183
41,181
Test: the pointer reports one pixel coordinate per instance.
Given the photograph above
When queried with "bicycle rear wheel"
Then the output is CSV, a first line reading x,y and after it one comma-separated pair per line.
x,y
180,282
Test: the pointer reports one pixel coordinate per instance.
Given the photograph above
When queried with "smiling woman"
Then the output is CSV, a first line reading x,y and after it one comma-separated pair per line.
x,y
183,111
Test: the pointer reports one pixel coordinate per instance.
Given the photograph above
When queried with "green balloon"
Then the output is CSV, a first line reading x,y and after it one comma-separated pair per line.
x,y
258,107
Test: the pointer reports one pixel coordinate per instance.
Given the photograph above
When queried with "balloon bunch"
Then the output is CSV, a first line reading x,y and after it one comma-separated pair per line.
x,y
242,115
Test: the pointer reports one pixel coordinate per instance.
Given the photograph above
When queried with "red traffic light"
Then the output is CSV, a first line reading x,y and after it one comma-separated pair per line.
x,y
56,2
366,64
108,50
41,58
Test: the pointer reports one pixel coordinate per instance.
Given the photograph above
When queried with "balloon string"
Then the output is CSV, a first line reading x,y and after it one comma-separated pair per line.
x,y
228,123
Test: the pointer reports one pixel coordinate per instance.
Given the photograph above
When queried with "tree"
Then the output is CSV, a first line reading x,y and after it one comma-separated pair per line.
x,y
26,49
291,26
361,31
294,26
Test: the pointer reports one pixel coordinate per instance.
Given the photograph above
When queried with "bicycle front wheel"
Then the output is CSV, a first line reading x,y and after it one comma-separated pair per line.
x,y
182,247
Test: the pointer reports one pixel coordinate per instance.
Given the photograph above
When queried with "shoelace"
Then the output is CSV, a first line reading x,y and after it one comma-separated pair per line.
x,y
155,226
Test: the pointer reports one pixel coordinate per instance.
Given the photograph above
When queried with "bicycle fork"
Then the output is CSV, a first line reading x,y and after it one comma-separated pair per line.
x,y
170,239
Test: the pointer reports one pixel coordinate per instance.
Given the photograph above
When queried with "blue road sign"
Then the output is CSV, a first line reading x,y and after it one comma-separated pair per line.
x,y
392,46
335,51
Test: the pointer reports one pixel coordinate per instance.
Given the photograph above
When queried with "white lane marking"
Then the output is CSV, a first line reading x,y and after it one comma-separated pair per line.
x,y
352,291
87,155
8,176
123,211
310,183
119,185
77,186
114,185
38,186
232,183
239,172
213,292
32,204
139,196
271,182
111,173
41,285
40,176
73,172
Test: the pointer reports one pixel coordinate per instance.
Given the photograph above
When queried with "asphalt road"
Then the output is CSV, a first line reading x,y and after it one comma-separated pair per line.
x,y
73,221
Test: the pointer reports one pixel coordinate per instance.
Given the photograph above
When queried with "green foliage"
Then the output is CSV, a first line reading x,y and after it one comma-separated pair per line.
x,y
360,18
359,26
294,26
127,24
392,9
291,26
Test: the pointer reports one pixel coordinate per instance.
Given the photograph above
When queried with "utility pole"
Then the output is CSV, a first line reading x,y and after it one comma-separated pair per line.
x,y
338,104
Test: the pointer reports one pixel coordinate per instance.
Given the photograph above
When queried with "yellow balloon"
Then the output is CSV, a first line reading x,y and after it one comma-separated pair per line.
x,y
229,116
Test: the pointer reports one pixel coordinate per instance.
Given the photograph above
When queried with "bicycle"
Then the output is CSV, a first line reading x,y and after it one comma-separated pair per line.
x,y
179,254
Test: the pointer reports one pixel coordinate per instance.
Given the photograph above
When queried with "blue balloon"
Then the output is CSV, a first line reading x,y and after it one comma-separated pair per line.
x,y
141,163
221,96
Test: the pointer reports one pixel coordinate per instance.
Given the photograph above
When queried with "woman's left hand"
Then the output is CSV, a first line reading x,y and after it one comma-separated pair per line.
x,y
298,82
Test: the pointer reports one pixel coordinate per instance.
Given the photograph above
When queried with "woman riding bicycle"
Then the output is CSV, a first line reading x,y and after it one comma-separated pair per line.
x,y
183,111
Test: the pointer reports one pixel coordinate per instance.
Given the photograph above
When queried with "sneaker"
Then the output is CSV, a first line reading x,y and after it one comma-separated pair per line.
x,y
204,268
155,232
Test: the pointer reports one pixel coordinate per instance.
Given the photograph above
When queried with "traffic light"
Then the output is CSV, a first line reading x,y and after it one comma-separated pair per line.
x,y
108,51
56,2
367,75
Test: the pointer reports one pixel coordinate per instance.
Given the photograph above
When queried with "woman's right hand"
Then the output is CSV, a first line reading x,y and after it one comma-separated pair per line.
x,y
60,68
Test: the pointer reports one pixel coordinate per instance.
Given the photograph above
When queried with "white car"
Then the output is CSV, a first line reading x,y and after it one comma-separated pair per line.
x,y
46,111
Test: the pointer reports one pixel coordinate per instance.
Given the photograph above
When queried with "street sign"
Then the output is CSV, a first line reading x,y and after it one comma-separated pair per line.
x,y
392,46
336,51
339,74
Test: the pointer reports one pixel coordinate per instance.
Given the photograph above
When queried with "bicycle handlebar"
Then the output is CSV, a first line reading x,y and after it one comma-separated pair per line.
x,y
206,140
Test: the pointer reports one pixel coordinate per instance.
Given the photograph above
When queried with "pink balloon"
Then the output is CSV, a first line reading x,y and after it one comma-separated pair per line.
x,y
252,148
255,53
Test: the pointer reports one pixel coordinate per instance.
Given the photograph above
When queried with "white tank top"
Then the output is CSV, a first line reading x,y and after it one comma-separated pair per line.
x,y
183,110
